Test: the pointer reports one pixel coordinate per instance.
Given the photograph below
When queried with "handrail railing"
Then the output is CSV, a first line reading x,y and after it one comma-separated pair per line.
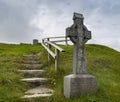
x,y
47,43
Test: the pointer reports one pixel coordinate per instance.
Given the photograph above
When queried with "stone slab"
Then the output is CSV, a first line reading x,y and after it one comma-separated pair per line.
x,y
31,57
32,66
35,41
36,81
75,85
32,73
31,61
37,95
39,90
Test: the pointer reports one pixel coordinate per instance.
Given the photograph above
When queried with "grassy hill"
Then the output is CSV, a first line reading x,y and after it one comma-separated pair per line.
x,y
102,62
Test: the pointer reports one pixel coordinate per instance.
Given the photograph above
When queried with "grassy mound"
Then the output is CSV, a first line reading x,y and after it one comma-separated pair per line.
x,y
102,62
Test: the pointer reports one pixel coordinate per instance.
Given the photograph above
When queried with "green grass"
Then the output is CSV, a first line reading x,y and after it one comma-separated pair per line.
x,y
102,62
11,88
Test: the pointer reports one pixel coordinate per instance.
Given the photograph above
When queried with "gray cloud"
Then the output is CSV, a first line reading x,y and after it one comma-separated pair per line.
x,y
23,20
15,18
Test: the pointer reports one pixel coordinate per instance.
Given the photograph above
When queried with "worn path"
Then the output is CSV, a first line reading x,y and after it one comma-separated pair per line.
x,y
33,74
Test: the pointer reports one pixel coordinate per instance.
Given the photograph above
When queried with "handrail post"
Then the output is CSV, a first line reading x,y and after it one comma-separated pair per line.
x,y
49,47
42,43
56,59
66,41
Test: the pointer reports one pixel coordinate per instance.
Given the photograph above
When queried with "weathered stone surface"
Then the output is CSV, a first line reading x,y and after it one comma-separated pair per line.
x,y
32,66
36,81
79,82
31,61
37,95
32,73
75,85
31,57
79,35
35,41
39,90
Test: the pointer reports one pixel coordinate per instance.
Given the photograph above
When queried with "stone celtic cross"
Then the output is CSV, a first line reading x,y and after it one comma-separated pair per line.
x,y
79,35
80,82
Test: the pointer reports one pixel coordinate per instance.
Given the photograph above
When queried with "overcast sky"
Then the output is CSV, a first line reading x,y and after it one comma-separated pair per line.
x,y
24,20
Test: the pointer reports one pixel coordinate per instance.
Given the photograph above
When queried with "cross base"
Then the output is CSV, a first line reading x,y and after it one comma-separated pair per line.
x,y
75,85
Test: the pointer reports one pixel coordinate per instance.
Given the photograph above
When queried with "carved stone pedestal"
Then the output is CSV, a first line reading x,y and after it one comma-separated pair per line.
x,y
75,85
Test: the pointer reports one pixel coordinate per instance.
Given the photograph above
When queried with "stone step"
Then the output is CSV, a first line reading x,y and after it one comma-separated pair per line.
x,y
36,81
32,73
31,61
38,92
32,66
37,95
31,57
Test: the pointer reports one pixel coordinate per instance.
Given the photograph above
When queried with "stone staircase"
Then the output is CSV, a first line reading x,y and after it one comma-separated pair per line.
x,y
33,75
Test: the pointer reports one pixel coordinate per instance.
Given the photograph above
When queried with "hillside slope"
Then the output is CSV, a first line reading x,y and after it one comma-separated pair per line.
x,y
11,55
102,62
